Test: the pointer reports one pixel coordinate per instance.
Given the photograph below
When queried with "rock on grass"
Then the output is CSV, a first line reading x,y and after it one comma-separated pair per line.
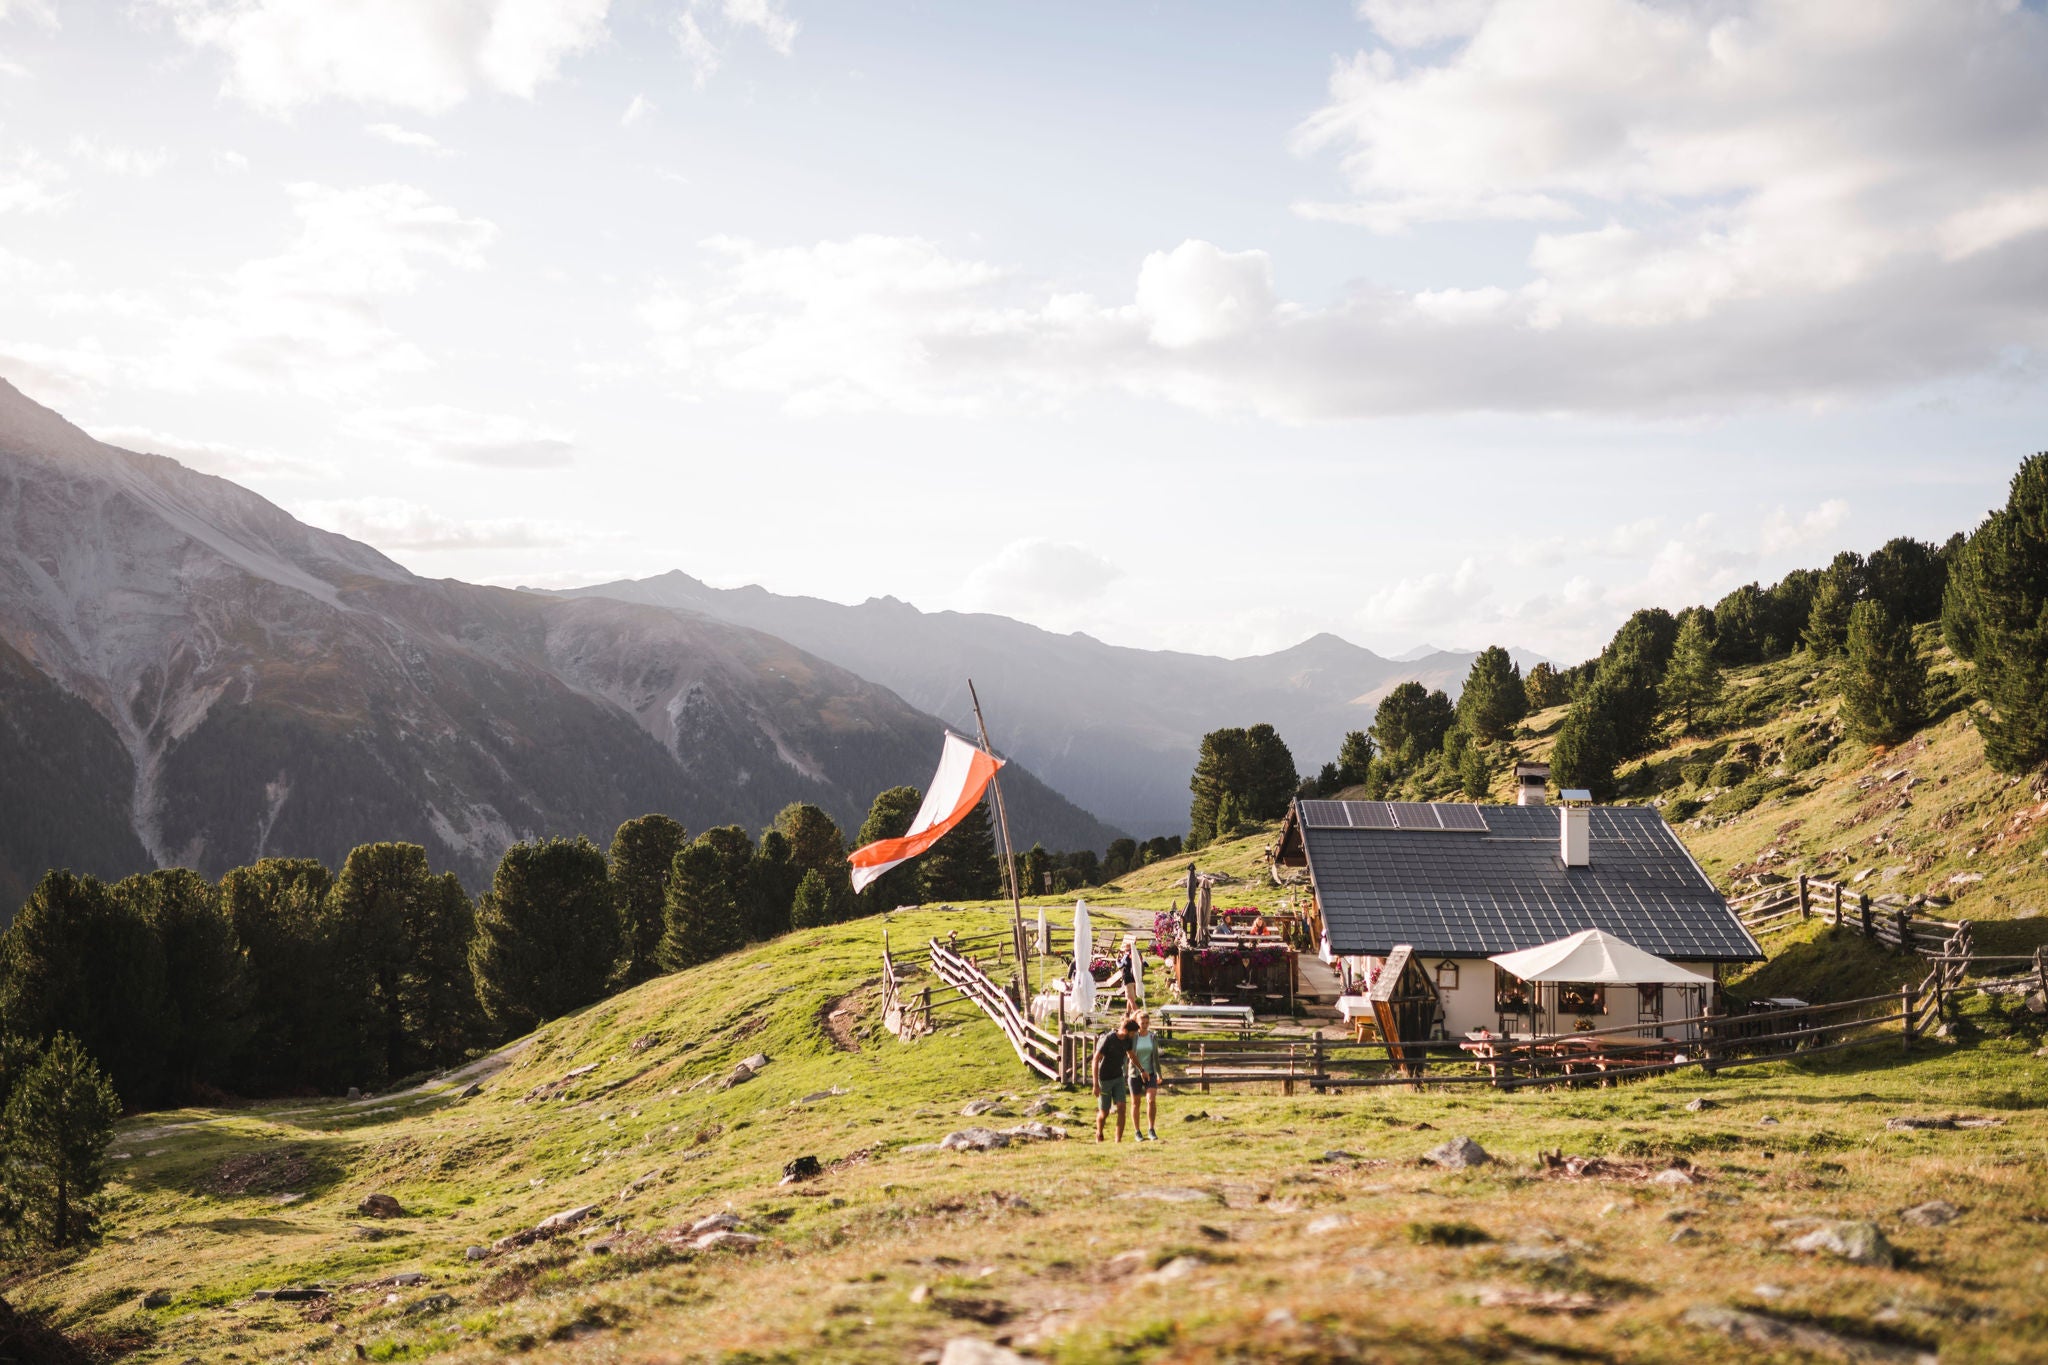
x,y
1856,1243
1769,1333
1459,1154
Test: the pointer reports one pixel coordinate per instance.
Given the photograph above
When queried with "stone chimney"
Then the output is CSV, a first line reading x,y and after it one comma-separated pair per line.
x,y
1574,829
1531,781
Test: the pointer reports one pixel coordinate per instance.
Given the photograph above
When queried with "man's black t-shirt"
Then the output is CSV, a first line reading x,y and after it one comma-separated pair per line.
x,y
1115,1051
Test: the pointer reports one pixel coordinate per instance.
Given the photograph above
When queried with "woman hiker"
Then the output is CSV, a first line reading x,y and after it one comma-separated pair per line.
x,y
1112,1058
1145,1080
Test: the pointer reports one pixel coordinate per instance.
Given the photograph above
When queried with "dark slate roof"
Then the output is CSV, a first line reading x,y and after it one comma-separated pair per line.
x,y
1472,894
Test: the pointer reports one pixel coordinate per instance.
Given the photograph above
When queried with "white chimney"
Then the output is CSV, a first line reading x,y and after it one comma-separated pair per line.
x,y
1574,832
1530,781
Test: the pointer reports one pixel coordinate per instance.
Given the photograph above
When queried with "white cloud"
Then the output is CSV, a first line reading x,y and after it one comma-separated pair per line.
x,y
208,457
427,55
309,317
706,29
459,436
115,159
1194,294
29,182
640,108
1036,574
1414,23
401,136
1812,530
41,10
393,524
1425,601
57,374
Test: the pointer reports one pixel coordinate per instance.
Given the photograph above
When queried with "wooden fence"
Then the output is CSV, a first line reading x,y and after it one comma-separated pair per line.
x,y
1887,919
1597,1057
1055,1056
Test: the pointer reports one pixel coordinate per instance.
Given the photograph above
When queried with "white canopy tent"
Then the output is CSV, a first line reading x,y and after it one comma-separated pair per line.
x,y
1593,957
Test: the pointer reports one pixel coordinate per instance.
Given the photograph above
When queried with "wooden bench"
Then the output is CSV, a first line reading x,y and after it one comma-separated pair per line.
x,y
1235,1017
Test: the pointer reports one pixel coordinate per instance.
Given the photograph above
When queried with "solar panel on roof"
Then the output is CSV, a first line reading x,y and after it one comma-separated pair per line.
x,y
1462,818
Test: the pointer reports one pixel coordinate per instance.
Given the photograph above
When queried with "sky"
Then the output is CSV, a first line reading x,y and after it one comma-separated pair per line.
x,y
1193,326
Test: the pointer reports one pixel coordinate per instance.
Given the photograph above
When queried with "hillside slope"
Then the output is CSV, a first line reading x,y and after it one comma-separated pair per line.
x,y
1264,1227
1114,729
258,686
1925,818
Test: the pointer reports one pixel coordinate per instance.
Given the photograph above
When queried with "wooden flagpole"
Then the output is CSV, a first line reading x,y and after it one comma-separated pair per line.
x,y
1009,852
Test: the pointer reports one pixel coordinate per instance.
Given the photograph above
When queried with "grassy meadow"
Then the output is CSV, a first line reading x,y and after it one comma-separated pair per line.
x,y
1238,1237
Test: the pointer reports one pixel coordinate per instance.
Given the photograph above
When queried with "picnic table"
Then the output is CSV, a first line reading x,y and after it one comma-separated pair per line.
x,y
1357,1011
1207,1016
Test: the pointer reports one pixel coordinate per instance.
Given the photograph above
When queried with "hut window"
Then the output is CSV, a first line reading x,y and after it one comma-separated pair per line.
x,y
1446,975
1510,992
1582,997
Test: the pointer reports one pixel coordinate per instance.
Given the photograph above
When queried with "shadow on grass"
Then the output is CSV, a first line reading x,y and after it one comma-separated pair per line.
x,y
252,1168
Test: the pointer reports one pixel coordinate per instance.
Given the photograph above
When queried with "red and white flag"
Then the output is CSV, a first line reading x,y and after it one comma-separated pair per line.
x,y
964,774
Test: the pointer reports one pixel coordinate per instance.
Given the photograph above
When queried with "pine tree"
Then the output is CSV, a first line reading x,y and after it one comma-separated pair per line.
x,y
58,1122
641,853
1221,765
1907,575
812,908
1827,624
1475,771
1410,724
281,918
1739,626
1692,680
79,960
547,937
1493,701
1884,680
1544,688
707,913
402,941
889,818
1995,614
815,844
1625,691
206,991
1270,778
1354,758
771,881
963,865
1585,753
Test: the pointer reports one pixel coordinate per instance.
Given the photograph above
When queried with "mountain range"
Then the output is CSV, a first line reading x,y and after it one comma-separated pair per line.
x,y
189,675
1114,729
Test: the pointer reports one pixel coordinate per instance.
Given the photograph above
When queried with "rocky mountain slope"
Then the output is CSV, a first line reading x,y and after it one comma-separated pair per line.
x,y
190,675
1113,729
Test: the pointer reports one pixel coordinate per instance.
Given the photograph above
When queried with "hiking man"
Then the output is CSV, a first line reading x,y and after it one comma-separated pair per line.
x,y
1112,1060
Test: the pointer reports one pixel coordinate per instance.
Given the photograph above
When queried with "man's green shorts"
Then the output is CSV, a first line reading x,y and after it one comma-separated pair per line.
x,y
1114,1093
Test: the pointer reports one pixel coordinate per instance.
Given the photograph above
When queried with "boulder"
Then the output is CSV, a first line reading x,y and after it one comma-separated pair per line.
x,y
563,1221
1768,1333
1695,1106
974,1351
476,1253
380,1206
1034,1131
756,1063
1459,1154
471,1091
974,1109
974,1140
1685,1235
1040,1108
157,1298
1856,1243
432,1303
726,1240
717,1222
1676,1175
1328,1223
1933,1214
802,1168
